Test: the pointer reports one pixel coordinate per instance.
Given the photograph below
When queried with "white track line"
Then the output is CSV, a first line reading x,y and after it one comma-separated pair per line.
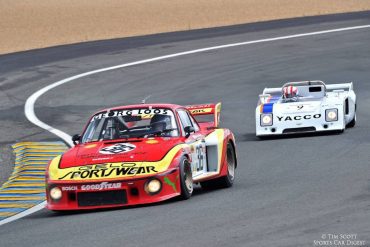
x,y
23,213
29,108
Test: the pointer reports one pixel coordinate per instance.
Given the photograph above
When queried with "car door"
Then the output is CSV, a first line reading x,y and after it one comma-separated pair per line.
x,y
197,144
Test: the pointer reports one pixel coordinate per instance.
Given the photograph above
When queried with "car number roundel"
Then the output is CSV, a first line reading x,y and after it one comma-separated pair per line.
x,y
118,148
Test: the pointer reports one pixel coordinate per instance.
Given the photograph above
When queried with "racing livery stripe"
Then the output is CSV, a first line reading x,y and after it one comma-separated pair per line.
x,y
117,170
25,187
267,108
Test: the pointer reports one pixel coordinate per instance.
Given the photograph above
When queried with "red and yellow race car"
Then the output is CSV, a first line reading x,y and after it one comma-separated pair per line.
x,y
140,154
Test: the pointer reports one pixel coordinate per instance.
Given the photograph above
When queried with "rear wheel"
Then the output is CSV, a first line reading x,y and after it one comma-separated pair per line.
x,y
228,180
186,178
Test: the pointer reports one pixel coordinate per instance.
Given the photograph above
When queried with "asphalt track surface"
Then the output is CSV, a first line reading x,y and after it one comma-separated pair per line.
x,y
288,191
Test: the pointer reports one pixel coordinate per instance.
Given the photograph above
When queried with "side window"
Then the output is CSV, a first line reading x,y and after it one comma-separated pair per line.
x,y
187,120
184,118
195,125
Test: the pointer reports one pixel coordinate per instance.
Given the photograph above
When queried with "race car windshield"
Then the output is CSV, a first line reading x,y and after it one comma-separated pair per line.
x,y
131,123
304,91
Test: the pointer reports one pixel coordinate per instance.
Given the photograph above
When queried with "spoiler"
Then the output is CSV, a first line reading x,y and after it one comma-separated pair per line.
x,y
272,91
329,88
340,86
206,109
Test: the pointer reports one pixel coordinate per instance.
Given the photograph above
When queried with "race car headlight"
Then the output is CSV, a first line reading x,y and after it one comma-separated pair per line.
x,y
55,193
266,119
331,115
153,186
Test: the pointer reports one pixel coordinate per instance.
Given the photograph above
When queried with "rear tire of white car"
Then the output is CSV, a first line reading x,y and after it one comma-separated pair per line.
x,y
228,180
186,179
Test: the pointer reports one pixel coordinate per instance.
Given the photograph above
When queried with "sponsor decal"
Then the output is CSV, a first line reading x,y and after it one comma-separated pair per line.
x,y
297,118
116,170
299,107
201,111
118,148
198,106
101,186
69,188
170,183
108,170
129,112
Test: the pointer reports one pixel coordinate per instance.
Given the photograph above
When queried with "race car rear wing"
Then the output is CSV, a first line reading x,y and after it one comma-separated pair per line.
x,y
199,111
340,86
273,91
329,88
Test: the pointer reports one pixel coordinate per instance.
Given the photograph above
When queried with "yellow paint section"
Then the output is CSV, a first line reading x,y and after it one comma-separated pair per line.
x,y
90,146
25,172
34,160
22,198
27,168
146,116
20,191
15,205
219,134
7,214
217,114
112,170
200,111
152,141
40,155
23,185
22,178
218,107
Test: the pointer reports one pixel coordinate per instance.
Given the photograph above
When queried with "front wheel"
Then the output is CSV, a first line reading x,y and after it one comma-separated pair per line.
x,y
186,178
352,123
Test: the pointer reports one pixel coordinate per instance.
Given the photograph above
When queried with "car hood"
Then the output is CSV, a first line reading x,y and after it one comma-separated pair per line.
x,y
298,107
145,150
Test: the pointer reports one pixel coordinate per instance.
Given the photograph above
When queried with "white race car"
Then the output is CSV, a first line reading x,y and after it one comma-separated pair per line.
x,y
307,106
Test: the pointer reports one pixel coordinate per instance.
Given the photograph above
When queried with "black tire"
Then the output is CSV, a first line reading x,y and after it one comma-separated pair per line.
x,y
186,179
352,123
228,180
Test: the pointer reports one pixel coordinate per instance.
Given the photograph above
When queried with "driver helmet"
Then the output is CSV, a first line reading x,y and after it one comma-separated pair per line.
x,y
161,122
290,92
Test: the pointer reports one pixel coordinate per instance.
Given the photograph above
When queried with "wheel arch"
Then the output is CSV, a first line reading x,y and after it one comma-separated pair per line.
x,y
232,142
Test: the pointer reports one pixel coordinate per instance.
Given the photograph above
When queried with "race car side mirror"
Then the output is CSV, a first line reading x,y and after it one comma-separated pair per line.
x,y
188,130
76,139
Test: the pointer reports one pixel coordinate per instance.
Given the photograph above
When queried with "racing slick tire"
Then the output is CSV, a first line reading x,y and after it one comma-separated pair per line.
x,y
228,180
352,123
186,179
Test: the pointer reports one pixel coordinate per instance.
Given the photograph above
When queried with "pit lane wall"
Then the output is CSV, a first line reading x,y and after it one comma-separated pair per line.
x,y
25,187
31,24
